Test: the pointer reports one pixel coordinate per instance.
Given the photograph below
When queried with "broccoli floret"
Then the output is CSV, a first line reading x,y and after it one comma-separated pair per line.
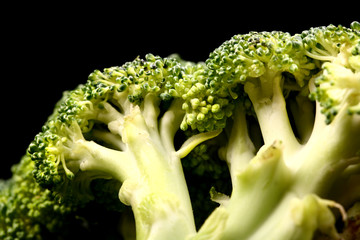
x,y
116,127
304,91
338,87
26,209
29,211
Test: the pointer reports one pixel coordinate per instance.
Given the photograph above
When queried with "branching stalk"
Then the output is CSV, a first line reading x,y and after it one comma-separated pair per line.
x,y
240,149
270,107
160,201
329,161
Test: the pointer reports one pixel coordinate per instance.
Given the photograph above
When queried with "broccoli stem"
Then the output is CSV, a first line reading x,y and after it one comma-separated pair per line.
x,y
158,195
240,149
320,165
269,104
266,171
145,161
170,123
297,219
111,163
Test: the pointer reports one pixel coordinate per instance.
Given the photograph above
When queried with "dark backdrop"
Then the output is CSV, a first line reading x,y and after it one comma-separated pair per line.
x,y
49,49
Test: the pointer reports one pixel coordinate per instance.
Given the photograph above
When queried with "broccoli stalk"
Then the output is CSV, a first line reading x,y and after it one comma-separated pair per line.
x,y
121,125
287,182
337,121
270,108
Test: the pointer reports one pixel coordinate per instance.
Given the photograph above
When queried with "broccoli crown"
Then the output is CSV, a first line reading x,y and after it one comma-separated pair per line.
x,y
253,59
250,55
337,88
325,43
78,112
87,112
138,78
168,78
26,209
50,147
339,85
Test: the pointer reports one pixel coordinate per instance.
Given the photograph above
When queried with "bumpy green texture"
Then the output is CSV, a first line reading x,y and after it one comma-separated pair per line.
x,y
339,48
252,54
26,209
260,141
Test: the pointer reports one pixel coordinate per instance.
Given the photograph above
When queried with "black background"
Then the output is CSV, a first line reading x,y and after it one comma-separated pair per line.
x,y
46,50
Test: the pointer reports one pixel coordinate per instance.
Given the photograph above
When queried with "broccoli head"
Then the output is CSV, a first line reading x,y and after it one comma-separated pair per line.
x,y
300,93
121,125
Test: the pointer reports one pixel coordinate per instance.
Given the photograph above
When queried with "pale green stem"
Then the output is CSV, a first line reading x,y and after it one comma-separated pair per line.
x,y
122,101
158,194
116,164
346,188
109,114
170,124
109,138
258,188
320,57
321,165
266,95
297,218
240,149
151,112
194,141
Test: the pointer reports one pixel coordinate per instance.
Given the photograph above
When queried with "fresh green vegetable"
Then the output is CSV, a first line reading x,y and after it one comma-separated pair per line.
x,y
121,125
25,207
261,141
309,144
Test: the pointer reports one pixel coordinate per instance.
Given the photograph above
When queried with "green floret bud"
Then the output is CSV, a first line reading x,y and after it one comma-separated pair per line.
x,y
355,26
354,58
205,116
325,43
253,55
202,160
215,108
199,101
257,64
195,103
337,89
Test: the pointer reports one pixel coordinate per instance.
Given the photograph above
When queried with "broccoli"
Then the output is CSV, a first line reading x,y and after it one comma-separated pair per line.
x,y
260,141
26,209
304,92
121,125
